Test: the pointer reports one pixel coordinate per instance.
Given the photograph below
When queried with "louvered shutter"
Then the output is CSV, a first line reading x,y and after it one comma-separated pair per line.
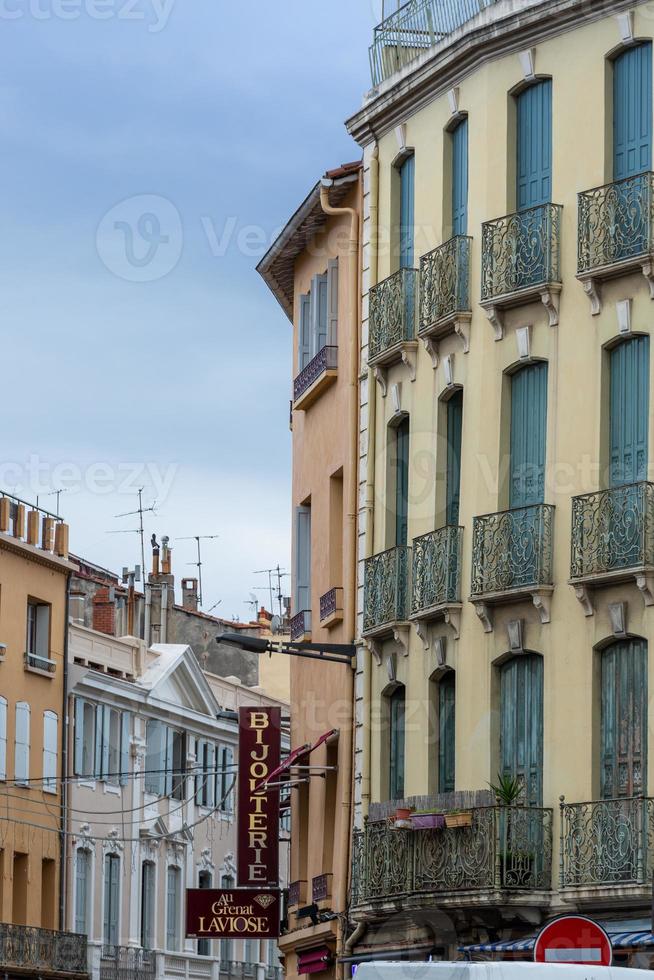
x,y
332,303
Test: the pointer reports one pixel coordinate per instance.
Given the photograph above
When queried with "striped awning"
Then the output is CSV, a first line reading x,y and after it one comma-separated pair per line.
x,y
619,940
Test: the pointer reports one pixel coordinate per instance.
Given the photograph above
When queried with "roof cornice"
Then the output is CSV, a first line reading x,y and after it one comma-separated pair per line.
x,y
511,27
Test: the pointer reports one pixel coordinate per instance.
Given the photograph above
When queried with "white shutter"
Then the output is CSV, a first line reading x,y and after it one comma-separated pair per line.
x,y
304,333
3,738
210,774
124,747
318,313
22,746
332,303
99,731
199,771
50,754
78,756
303,560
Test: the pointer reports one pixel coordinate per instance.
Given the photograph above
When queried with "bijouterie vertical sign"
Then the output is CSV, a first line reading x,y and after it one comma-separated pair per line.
x,y
259,751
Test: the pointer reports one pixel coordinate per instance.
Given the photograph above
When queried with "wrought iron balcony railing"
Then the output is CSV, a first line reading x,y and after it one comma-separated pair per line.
x,y
512,550
331,604
612,530
415,27
520,260
607,842
323,365
41,951
300,624
392,314
435,575
385,589
127,963
508,848
445,282
616,223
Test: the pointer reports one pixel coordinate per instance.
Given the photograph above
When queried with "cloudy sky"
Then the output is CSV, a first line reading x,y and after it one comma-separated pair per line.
x,y
150,149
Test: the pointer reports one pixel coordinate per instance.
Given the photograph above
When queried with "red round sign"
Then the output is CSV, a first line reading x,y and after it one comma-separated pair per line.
x,y
573,939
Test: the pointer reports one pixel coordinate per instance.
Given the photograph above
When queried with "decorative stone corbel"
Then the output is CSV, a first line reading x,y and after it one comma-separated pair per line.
x,y
592,290
452,617
410,362
648,272
484,613
583,595
422,629
496,320
550,300
431,346
375,648
542,602
401,637
645,584
380,378
462,330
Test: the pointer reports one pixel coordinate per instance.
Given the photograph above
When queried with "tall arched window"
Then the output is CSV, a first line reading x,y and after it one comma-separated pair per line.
x,y
521,724
534,149
632,111
624,719
396,705
83,893
460,178
628,410
148,904
528,435
446,729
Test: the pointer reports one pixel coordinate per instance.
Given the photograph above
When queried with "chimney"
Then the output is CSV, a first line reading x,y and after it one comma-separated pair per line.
x,y
166,557
104,611
76,608
155,556
190,594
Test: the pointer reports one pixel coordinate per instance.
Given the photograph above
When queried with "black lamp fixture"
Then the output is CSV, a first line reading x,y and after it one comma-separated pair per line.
x,y
336,653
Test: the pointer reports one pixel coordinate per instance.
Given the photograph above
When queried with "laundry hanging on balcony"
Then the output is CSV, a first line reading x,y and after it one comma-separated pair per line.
x,y
293,760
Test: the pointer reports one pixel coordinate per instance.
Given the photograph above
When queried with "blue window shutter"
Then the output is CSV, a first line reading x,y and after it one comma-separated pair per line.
x,y
629,411
521,724
396,758
460,179
98,771
332,303
199,771
318,314
534,169
453,475
407,178
304,333
106,741
446,729
624,720
528,435
303,560
124,747
632,112
401,482
79,737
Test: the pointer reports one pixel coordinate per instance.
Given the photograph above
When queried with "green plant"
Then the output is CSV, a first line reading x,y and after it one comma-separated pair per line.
x,y
507,790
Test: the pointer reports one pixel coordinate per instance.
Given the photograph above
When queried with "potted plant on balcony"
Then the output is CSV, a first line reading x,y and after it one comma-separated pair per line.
x,y
401,819
427,820
507,790
517,849
458,818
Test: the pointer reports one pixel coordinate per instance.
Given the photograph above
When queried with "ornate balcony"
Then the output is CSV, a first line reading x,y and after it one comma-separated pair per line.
x,y
505,849
119,962
386,596
520,263
319,374
512,559
616,234
42,951
331,608
301,626
392,324
613,540
445,294
435,578
607,843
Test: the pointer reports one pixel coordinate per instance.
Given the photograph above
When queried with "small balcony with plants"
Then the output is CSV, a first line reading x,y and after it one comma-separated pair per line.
x,y
521,263
386,597
615,234
393,314
512,559
613,540
318,375
445,294
436,577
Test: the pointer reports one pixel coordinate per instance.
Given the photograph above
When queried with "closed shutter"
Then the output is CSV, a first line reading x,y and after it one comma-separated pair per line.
x,y
534,168
629,411
453,478
332,303
319,306
22,743
200,749
396,757
304,333
632,112
228,779
82,874
446,729
303,560
124,747
78,754
169,763
111,893
106,741
50,751
528,435
147,905
407,175
172,909
99,736
521,724
154,757
3,738
624,720
460,179
211,775
401,482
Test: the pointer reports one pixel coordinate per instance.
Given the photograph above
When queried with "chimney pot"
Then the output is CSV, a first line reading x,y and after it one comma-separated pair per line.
x,y
190,594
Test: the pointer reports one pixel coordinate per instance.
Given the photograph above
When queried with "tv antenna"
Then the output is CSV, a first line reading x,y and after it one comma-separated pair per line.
x,y
51,493
198,564
254,602
138,530
274,573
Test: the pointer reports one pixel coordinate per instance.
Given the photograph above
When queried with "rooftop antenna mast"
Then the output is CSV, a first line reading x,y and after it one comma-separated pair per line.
x,y
51,493
279,574
198,564
141,511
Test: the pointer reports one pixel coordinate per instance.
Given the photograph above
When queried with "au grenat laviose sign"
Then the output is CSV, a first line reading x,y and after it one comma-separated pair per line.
x,y
238,913
259,750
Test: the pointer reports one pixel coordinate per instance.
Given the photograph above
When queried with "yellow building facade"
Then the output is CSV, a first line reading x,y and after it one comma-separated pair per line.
x,y
34,575
505,523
